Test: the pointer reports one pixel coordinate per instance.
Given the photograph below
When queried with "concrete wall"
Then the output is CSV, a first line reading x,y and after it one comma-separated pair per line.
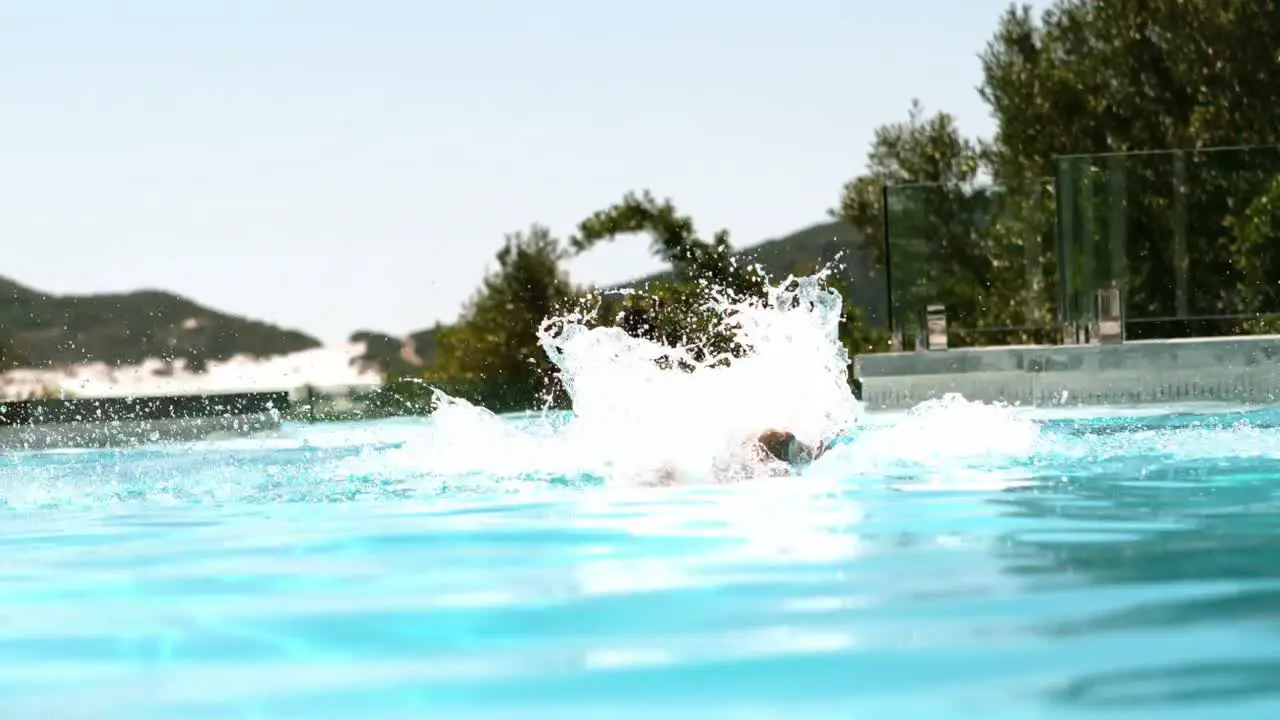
x,y
1235,369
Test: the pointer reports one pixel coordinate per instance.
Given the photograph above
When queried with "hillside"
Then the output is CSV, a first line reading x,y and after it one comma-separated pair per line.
x,y
40,329
800,251
395,355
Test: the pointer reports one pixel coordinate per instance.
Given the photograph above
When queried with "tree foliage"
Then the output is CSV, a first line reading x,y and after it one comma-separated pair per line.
x,y
674,239
925,151
953,238
491,355
1129,77
1110,117
674,313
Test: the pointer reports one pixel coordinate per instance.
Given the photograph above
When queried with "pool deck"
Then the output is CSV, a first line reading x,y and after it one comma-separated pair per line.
x,y
126,421
1244,370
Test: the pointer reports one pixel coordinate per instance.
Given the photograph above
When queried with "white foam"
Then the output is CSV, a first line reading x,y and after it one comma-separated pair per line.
x,y
634,421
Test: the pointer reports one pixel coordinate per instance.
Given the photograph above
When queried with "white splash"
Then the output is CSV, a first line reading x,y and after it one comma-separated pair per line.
x,y
633,420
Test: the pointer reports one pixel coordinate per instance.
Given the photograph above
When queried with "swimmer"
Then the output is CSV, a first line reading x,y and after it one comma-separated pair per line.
x,y
769,447
784,446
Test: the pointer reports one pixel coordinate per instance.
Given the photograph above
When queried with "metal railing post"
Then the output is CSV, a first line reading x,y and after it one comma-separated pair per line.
x,y
934,325
1109,314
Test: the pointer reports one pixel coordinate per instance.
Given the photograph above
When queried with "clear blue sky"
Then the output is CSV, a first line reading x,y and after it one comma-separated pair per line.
x,y
333,165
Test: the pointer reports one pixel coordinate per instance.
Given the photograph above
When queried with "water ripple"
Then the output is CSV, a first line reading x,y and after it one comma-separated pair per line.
x,y
1069,567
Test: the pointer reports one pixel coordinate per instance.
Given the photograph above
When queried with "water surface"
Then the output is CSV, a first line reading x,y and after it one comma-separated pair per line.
x,y
960,561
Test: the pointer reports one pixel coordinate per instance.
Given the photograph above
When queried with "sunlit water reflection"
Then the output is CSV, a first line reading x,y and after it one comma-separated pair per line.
x,y
958,561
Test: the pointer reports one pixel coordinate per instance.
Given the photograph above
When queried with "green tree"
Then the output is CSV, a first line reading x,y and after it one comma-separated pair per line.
x,y
491,355
952,238
674,239
1130,75
1254,239
923,151
1124,76
1183,228
675,313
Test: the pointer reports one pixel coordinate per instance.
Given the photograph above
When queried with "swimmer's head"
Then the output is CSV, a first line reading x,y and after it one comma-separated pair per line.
x,y
781,444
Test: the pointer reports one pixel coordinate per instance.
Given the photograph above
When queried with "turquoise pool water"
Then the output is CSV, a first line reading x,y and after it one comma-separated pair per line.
x,y
959,561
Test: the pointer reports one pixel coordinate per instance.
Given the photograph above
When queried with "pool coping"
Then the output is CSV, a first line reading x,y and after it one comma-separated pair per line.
x,y
1239,369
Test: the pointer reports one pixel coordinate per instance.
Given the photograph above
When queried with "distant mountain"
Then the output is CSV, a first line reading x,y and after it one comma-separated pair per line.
x,y
799,252
38,329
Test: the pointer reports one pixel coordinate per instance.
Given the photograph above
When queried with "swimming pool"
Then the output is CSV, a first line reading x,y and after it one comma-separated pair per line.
x,y
956,561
